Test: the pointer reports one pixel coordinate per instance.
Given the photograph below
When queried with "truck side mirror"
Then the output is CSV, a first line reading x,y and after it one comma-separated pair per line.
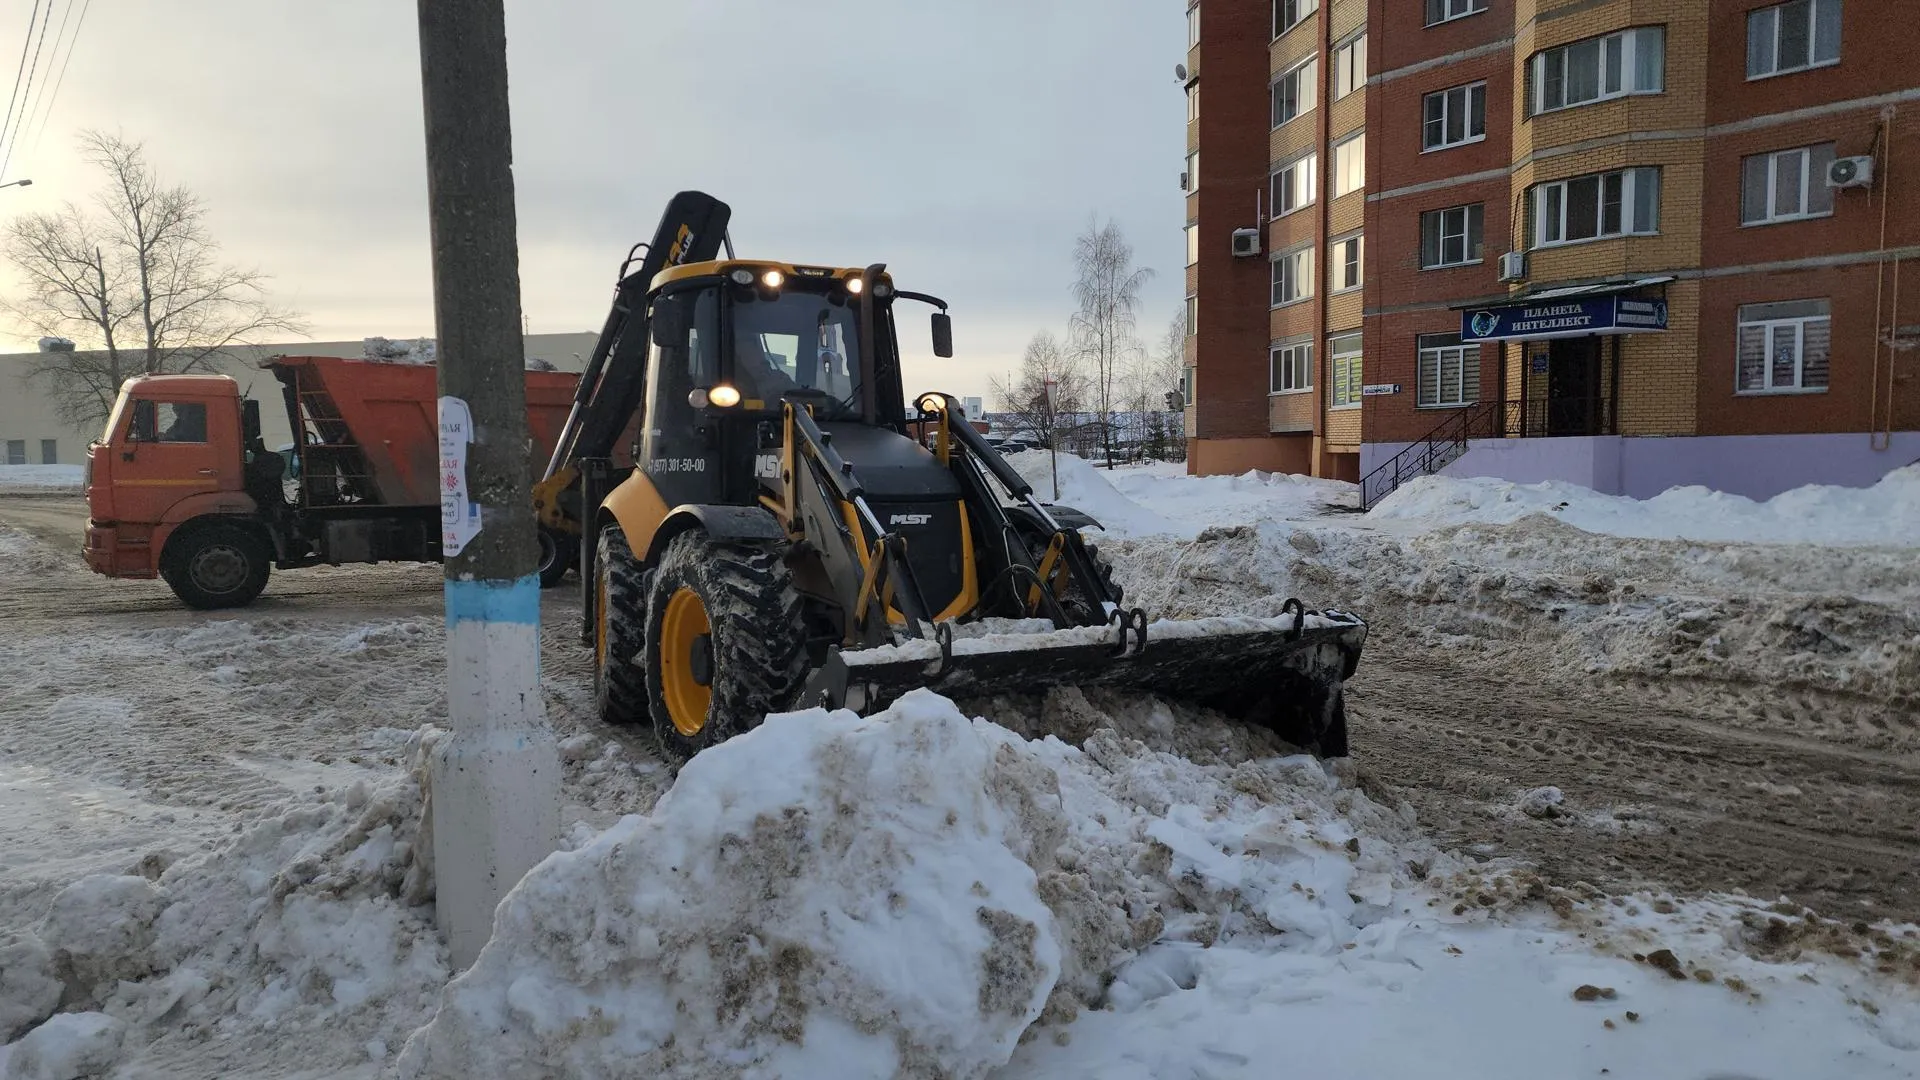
x,y
942,334
145,426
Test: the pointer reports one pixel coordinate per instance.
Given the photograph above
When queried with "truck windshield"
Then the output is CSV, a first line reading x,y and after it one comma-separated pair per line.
x,y
800,340
113,418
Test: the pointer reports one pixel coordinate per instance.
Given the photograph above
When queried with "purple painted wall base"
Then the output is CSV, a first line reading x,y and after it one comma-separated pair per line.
x,y
1757,466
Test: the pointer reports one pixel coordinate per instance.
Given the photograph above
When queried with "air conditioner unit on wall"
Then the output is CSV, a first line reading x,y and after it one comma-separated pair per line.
x,y
1850,172
1246,242
1185,180
1513,266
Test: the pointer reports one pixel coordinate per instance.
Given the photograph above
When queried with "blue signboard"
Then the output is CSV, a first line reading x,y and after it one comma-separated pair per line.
x,y
1572,316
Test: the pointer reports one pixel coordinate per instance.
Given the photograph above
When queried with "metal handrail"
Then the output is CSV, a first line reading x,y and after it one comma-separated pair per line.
x,y
1488,420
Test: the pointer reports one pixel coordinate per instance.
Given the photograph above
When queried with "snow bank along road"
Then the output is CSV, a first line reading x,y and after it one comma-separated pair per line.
x,y
1645,721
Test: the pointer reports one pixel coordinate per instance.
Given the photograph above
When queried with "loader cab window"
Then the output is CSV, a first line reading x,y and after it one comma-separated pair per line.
x,y
685,355
801,339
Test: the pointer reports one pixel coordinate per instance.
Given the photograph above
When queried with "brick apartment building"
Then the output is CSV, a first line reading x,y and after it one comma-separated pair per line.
x,y
1625,243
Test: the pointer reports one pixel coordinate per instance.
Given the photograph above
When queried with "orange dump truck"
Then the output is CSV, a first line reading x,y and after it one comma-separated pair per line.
x,y
182,485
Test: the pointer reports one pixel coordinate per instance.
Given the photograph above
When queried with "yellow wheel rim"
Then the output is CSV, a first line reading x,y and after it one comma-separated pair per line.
x,y
682,628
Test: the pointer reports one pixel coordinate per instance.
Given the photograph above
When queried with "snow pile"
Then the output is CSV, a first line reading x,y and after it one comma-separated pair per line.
x,y
825,896
1887,513
1089,490
404,351
304,930
38,478
1167,490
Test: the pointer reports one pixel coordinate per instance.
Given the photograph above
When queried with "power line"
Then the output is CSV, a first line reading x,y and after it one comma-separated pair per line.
x,y
22,69
72,44
35,102
32,70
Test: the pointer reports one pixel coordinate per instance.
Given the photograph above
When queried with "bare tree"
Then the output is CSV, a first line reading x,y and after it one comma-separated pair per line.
x,y
1168,365
1107,290
135,284
1045,365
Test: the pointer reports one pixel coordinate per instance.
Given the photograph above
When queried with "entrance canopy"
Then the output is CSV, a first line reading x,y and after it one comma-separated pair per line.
x,y
1574,311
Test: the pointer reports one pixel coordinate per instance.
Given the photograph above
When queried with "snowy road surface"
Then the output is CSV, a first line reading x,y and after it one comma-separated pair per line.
x,y
1645,722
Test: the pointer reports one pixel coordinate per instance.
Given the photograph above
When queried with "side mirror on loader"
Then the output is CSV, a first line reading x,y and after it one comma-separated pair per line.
x,y
942,334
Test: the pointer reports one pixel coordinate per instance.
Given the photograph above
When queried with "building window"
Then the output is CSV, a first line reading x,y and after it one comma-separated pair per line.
x,y
49,451
1626,202
1783,347
1350,66
1193,25
1190,386
1793,37
1786,185
1288,13
1293,186
1292,276
1449,372
1344,386
1293,90
1455,116
1291,367
1193,244
1345,270
1193,315
1450,237
1629,62
1350,164
1193,171
1439,11
1193,103
16,451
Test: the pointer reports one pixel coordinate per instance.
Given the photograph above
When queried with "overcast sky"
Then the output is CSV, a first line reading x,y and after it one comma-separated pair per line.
x,y
964,144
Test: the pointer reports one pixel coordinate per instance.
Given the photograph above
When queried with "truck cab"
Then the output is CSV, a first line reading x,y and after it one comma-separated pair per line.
x,y
180,450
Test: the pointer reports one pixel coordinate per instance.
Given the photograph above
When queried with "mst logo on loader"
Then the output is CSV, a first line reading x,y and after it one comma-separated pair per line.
x,y
909,519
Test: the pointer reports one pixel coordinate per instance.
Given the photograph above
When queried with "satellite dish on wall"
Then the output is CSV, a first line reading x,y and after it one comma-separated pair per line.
x,y
1180,72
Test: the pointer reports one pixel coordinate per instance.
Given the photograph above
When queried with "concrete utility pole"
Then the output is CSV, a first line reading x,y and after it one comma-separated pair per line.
x,y
496,778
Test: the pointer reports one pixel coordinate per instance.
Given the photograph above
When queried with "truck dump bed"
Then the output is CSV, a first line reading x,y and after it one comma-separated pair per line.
x,y
374,427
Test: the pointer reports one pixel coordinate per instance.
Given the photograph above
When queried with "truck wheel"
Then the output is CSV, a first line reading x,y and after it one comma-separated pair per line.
x,y
216,565
620,621
726,641
556,557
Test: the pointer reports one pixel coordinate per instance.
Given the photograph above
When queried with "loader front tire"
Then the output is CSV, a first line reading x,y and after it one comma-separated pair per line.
x,y
619,630
213,564
556,557
726,641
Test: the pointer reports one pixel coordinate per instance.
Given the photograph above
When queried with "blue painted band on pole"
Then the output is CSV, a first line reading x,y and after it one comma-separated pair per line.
x,y
494,601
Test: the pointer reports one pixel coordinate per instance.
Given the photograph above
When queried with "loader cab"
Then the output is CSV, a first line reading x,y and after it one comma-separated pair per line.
x,y
732,340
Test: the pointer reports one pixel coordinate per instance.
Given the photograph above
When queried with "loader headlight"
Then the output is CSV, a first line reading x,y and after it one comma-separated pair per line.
x,y
772,279
882,289
742,276
723,397
854,285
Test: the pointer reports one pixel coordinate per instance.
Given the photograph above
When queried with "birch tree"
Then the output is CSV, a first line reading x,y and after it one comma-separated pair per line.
x,y
1107,291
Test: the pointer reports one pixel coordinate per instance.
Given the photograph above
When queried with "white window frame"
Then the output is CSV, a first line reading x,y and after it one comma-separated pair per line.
x,y
1771,18
1453,9
1302,9
1193,171
1305,77
1467,212
1299,276
1547,214
1461,357
1467,93
1290,367
1350,65
1625,46
1193,242
1813,179
1193,103
1190,384
1350,175
1343,387
1192,313
1193,25
1768,328
1337,262
1303,184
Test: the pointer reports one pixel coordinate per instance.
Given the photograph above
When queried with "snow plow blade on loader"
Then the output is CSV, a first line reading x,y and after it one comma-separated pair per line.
x,y
1285,673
